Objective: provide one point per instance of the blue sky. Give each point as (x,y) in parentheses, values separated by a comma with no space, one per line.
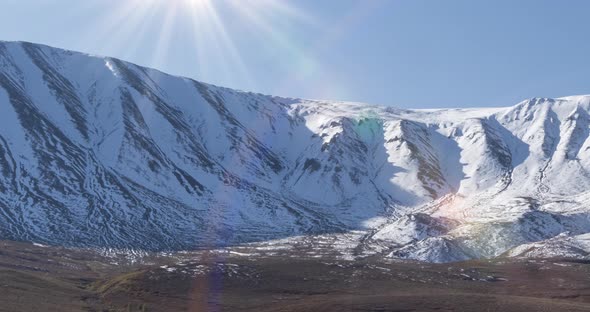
(403,53)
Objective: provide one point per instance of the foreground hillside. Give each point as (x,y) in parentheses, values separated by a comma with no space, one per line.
(36,278)
(97,152)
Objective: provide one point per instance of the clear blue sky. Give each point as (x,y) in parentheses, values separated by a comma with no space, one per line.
(404,53)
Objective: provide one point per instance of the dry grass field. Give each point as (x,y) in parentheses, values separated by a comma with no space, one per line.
(35,278)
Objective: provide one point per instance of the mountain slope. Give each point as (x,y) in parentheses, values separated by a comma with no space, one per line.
(97,152)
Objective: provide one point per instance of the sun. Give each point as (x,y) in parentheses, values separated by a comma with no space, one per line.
(211,30)
(196,3)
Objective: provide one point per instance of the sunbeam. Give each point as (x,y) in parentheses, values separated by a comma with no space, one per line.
(210,27)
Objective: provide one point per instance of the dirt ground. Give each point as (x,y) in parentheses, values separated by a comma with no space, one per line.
(35,278)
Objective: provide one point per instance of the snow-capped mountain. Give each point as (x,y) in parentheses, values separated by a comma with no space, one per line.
(97,152)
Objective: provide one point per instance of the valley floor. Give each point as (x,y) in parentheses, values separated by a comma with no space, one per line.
(40,278)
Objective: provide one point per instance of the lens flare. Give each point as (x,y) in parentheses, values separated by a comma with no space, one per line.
(209,32)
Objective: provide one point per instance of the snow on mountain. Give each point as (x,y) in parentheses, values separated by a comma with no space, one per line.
(97,152)
(561,246)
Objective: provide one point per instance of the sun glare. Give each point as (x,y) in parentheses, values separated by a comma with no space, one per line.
(195,2)
(212,28)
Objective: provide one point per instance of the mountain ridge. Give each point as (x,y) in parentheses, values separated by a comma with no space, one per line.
(98,152)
